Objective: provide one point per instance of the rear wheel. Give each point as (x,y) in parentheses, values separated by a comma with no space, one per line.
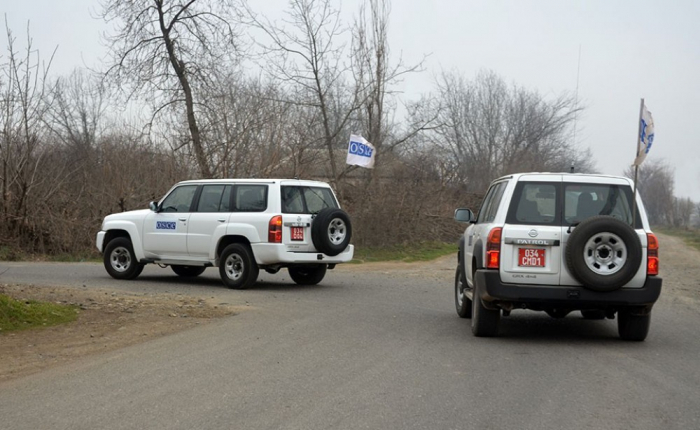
(485,321)
(633,327)
(237,267)
(462,302)
(119,259)
(188,271)
(309,274)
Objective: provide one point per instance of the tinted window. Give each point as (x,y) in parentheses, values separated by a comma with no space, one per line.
(214,198)
(309,200)
(486,204)
(534,203)
(582,201)
(492,209)
(179,200)
(250,198)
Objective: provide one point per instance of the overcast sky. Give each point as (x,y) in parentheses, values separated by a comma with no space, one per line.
(628,50)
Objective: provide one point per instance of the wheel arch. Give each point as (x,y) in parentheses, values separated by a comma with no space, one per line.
(228,240)
(126,230)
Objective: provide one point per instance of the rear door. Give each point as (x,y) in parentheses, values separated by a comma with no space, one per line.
(209,220)
(531,237)
(300,203)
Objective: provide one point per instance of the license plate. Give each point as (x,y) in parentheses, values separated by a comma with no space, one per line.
(297,233)
(531,257)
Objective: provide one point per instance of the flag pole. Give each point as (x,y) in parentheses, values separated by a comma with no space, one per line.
(636,166)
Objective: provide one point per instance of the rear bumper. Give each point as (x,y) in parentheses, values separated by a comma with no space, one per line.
(566,296)
(272,253)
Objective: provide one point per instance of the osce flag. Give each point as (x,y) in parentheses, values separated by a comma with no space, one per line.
(646,135)
(360,152)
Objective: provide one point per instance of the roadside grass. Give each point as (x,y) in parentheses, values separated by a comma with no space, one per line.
(11,254)
(424,251)
(690,236)
(25,314)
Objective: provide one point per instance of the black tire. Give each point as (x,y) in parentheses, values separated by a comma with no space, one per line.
(462,302)
(119,259)
(593,314)
(485,321)
(603,253)
(331,231)
(237,267)
(187,271)
(633,327)
(307,274)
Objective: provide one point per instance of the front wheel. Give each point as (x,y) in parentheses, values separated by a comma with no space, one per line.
(462,302)
(310,274)
(237,267)
(188,271)
(119,259)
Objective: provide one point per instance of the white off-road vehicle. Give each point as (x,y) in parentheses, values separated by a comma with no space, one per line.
(557,243)
(237,225)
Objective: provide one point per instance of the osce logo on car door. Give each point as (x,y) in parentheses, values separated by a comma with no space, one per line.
(165,225)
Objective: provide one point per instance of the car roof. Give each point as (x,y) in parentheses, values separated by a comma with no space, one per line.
(299,182)
(568,177)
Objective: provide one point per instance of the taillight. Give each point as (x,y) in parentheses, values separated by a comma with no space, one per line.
(274,233)
(493,249)
(652,255)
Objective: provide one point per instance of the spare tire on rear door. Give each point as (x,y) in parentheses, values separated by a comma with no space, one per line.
(331,231)
(603,253)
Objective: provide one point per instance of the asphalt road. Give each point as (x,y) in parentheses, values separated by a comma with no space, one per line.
(375,350)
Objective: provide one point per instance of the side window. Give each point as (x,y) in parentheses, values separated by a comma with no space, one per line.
(487,212)
(491,211)
(250,198)
(292,200)
(534,203)
(214,198)
(179,200)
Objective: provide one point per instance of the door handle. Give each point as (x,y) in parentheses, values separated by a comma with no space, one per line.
(183,219)
(221,219)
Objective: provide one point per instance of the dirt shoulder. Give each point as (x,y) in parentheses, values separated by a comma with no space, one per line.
(109,320)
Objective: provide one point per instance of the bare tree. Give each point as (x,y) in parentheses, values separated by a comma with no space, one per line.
(488,129)
(23,106)
(655,183)
(166,49)
(306,54)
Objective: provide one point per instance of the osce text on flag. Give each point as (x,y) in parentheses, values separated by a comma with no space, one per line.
(360,152)
(359,148)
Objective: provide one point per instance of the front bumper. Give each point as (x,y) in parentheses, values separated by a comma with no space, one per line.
(565,296)
(100,240)
(273,253)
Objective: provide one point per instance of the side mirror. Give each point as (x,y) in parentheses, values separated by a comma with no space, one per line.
(464,215)
(153,206)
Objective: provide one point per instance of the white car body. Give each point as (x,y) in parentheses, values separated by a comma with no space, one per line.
(196,236)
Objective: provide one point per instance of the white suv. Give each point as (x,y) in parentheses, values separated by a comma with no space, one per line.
(239,225)
(558,242)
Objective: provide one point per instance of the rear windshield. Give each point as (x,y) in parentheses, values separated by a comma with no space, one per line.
(541,203)
(307,200)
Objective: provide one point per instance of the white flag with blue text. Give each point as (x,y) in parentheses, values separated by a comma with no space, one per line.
(646,136)
(360,152)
